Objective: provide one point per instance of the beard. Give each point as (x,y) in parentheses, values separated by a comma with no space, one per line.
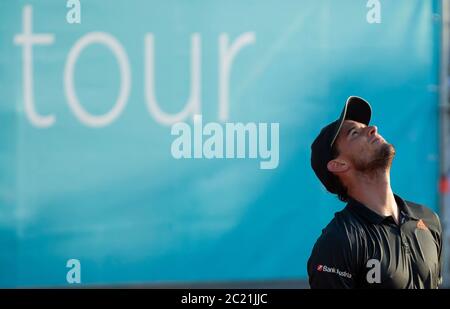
(380,161)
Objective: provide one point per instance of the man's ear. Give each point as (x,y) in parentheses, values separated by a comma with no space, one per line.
(337,166)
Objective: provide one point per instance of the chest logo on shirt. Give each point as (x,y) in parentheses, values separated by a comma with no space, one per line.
(421,225)
(333,270)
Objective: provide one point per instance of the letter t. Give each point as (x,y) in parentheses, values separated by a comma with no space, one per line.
(27,39)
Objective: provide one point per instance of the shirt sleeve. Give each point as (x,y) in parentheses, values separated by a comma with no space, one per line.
(439,241)
(331,264)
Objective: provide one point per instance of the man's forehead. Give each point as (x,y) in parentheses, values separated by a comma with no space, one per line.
(350,123)
(347,125)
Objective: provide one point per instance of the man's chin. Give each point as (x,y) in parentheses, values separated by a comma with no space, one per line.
(382,159)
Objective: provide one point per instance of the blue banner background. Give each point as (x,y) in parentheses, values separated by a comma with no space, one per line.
(114,198)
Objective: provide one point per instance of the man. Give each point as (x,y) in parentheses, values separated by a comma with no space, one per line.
(378,240)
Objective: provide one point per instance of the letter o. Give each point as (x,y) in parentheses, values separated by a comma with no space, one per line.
(124,66)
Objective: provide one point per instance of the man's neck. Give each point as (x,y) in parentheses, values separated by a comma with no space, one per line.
(375,192)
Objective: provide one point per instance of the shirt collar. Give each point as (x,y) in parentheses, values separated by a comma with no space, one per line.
(375,218)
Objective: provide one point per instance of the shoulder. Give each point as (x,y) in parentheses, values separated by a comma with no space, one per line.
(336,249)
(341,232)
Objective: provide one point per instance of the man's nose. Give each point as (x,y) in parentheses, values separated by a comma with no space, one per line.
(372,130)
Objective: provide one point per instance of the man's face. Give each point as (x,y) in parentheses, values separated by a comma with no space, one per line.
(363,148)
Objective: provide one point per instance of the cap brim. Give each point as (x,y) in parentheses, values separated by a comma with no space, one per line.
(356,109)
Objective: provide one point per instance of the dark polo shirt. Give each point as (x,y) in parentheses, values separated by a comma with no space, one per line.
(361,249)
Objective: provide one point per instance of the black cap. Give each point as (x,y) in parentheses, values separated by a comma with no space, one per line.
(356,109)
